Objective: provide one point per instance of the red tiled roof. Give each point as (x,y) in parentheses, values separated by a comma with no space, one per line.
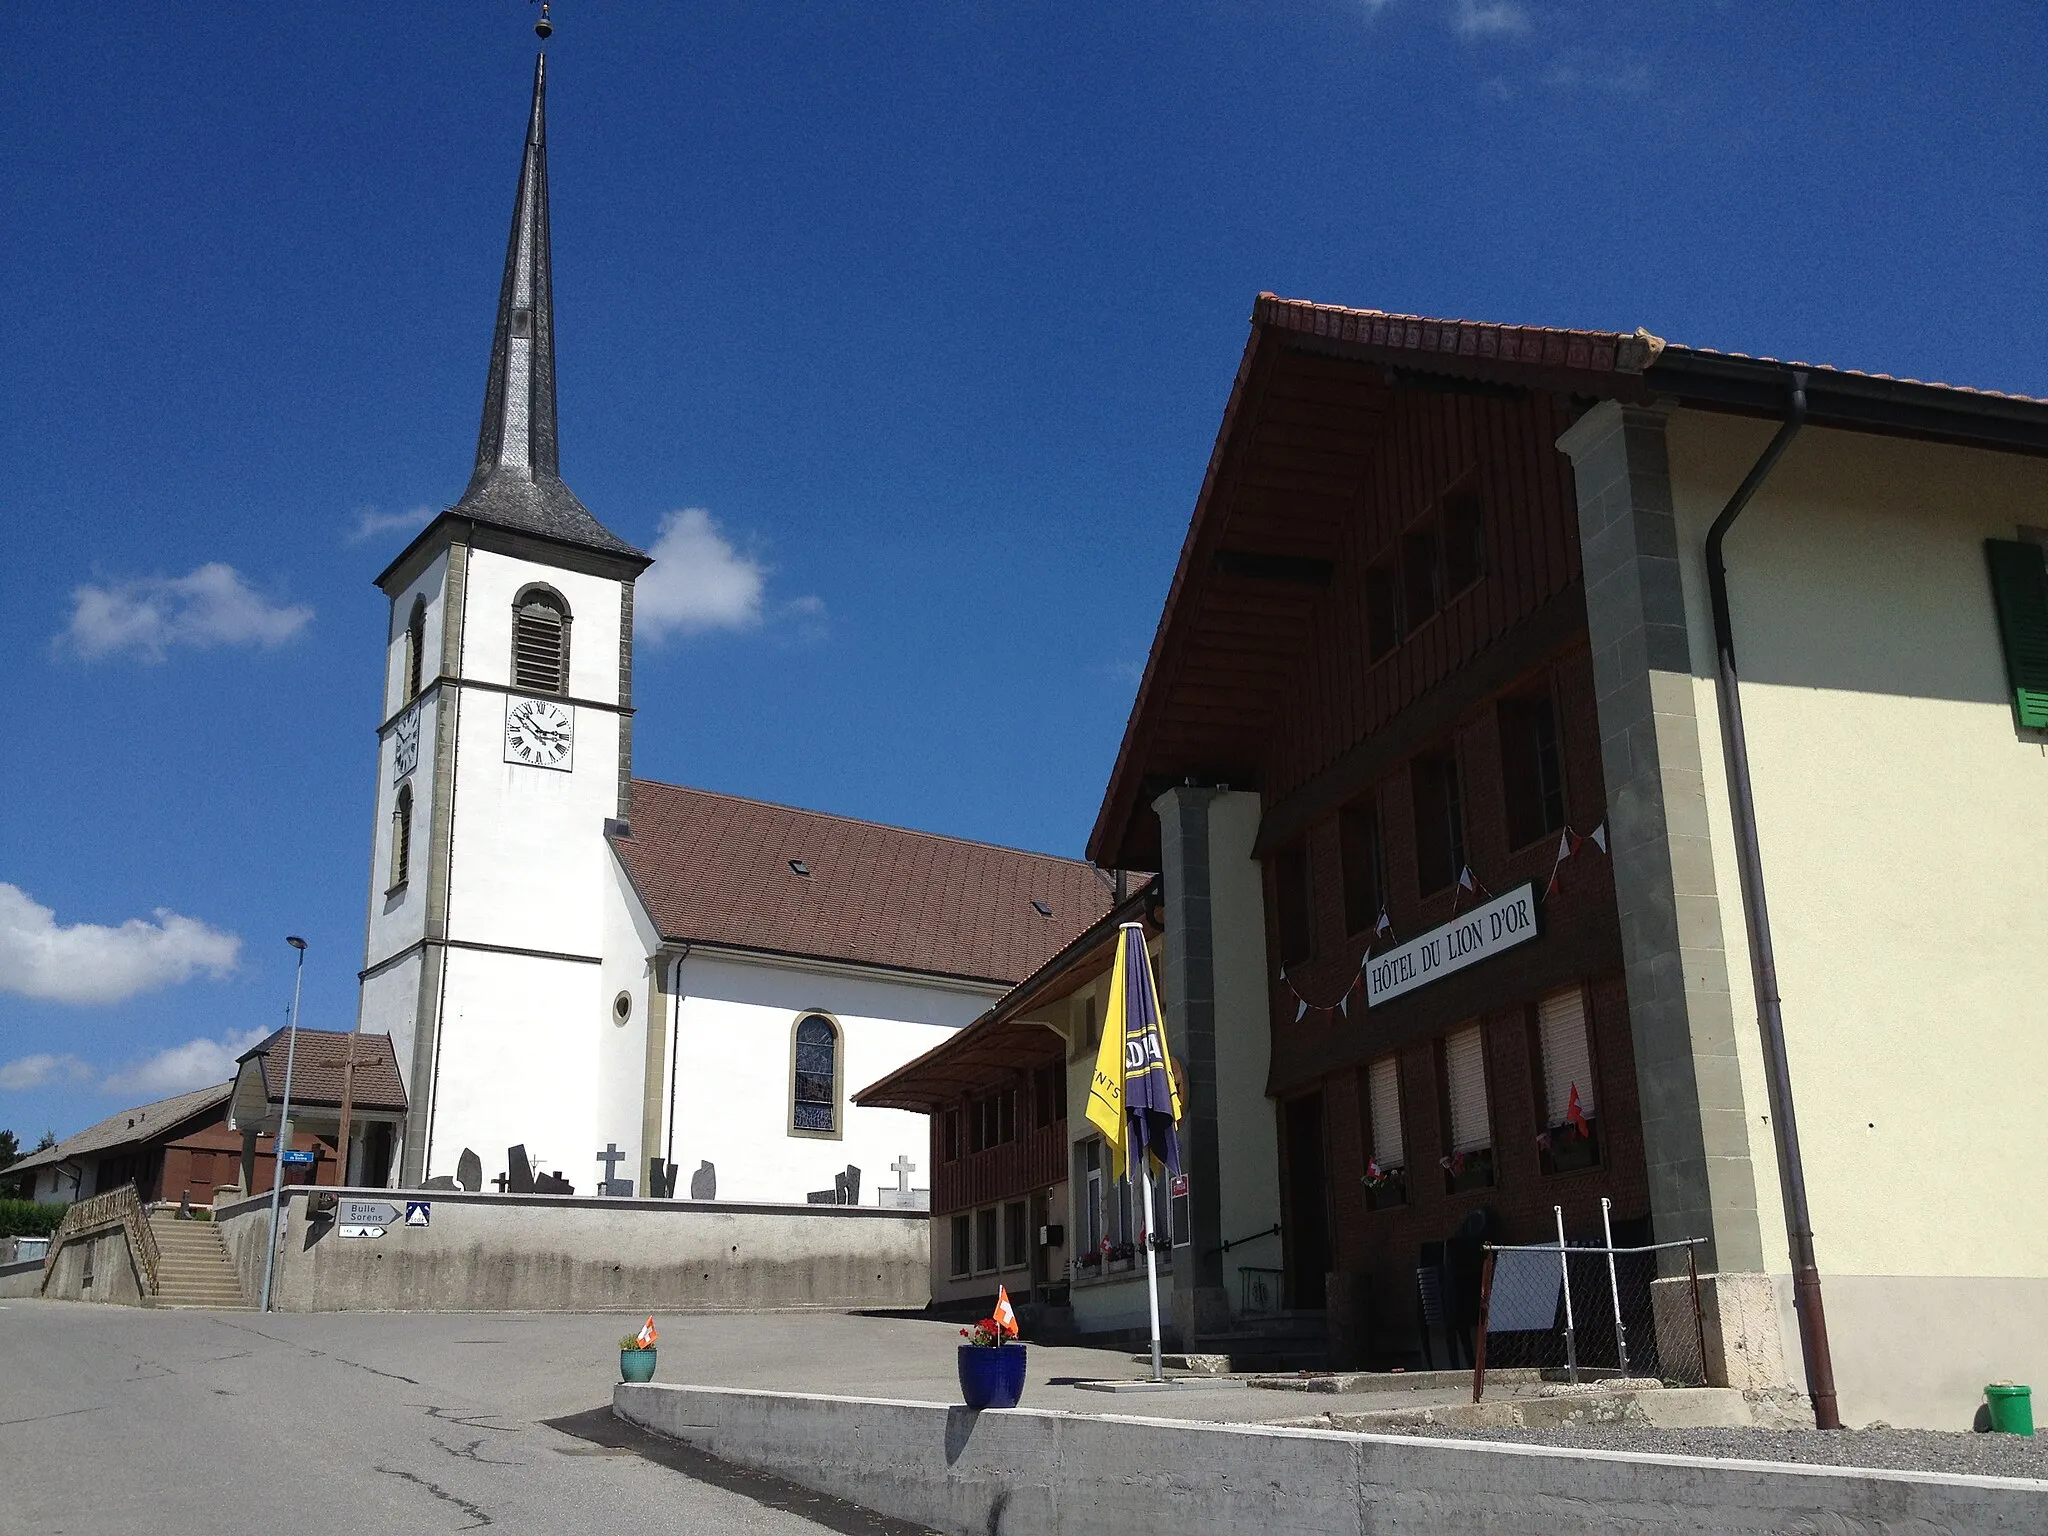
(715,869)
(317,1063)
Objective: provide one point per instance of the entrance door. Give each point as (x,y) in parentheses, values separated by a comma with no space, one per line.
(1308,1216)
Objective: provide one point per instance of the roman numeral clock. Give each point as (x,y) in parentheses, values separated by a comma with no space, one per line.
(539,733)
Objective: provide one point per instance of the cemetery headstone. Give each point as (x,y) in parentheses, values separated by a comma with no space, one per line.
(469,1171)
(704,1182)
(661,1179)
(440,1181)
(522,1170)
(611,1157)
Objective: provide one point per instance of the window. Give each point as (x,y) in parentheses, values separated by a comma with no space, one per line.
(540,642)
(1094,1212)
(415,648)
(1383,1106)
(1048,1095)
(1439,821)
(1014,1225)
(985,1239)
(814,1087)
(1531,767)
(1386,1181)
(1363,858)
(1464,527)
(1382,609)
(992,1120)
(1565,1050)
(1422,589)
(949,1136)
(963,1247)
(2019,583)
(1469,1156)
(1291,904)
(401,839)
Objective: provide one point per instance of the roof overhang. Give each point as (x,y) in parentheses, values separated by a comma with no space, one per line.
(1287,469)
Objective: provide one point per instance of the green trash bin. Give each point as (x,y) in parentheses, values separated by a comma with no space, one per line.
(2012,1407)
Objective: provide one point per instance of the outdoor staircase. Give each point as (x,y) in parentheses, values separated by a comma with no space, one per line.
(193,1268)
(1293,1340)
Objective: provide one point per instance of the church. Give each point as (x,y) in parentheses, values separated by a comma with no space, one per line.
(627,978)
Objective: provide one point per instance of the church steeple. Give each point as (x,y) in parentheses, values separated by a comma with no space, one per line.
(517,482)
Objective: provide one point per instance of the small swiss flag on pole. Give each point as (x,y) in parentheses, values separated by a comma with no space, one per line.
(1575,1115)
(1006,1316)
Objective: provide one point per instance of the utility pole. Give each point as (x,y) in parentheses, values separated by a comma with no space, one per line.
(282,1139)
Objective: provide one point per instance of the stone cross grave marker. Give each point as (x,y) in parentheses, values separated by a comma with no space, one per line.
(503,1181)
(903,1168)
(611,1157)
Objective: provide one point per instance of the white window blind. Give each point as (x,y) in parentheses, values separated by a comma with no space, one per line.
(1465,1069)
(1383,1102)
(1567,1059)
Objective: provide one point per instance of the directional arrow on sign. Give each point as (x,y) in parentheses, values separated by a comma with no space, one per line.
(355,1231)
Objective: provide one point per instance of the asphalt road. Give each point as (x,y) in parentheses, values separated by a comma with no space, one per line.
(148,1423)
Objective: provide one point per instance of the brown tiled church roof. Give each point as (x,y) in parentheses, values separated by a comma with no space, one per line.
(717,869)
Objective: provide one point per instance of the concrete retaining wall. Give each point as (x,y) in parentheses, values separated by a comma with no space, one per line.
(1028,1473)
(548,1253)
(21,1279)
(96,1266)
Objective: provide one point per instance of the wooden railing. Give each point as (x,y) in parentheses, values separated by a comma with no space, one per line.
(116,1208)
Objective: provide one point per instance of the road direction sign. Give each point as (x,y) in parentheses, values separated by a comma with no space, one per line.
(360,1231)
(418,1212)
(366,1213)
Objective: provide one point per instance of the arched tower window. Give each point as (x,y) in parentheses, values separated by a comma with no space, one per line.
(415,648)
(815,1077)
(540,641)
(401,838)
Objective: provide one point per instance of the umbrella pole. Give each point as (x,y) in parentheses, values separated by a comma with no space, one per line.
(1151,1266)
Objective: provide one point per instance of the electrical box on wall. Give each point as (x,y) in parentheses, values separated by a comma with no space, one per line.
(1052,1237)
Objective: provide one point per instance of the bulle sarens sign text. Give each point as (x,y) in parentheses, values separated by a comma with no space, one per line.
(1501,924)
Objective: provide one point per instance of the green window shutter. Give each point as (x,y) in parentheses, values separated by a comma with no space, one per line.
(2019,581)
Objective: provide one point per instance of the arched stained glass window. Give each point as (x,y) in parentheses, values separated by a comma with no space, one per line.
(814,1096)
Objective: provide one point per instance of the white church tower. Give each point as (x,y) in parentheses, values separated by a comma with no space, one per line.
(505,748)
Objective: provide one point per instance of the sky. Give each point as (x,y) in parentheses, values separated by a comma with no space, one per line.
(900,333)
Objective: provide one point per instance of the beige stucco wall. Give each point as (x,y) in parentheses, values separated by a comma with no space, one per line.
(1901,820)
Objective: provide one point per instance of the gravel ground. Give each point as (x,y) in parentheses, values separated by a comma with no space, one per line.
(1904,1450)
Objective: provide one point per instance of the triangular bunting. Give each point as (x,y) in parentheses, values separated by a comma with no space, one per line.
(1598,837)
(1300,1011)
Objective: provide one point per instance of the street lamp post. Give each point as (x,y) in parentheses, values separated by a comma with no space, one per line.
(282,1138)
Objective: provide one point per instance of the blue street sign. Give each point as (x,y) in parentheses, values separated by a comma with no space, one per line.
(291,1156)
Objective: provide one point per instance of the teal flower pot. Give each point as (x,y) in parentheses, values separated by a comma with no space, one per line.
(636,1364)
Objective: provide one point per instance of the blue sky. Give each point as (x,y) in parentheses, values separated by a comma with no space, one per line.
(923,314)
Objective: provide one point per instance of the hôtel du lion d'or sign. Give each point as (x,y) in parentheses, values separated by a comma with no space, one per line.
(1485,931)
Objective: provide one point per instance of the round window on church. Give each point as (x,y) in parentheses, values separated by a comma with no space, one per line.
(622,1008)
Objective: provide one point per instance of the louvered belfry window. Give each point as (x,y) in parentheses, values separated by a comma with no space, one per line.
(540,643)
(1383,1103)
(2019,582)
(1465,1084)
(401,838)
(1567,1055)
(415,648)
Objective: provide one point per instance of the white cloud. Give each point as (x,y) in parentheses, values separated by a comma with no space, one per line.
(88,963)
(39,1071)
(1580,69)
(150,614)
(1490,18)
(195,1064)
(367,522)
(700,582)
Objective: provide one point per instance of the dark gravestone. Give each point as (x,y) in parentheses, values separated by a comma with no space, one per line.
(823,1197)
(553,1184)
(848,1184)
(521,1169)
(704,1182)
(661,1179)
(440,1181)
(469,1171)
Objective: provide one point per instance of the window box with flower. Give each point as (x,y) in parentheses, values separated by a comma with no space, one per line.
(1467,1170)
(1385,1188)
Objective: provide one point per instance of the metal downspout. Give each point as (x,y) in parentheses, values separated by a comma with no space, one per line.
(1813,1328)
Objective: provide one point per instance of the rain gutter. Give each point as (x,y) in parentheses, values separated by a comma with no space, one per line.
(1806,1296)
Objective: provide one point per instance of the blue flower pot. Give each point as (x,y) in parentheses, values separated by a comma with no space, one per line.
(992,1378)
(636,1364)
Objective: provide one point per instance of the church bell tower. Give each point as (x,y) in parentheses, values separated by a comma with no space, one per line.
(505,747)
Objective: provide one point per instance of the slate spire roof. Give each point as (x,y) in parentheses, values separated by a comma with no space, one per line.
(517,482)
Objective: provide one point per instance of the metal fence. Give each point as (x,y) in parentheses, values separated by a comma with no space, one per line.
(1586,1311)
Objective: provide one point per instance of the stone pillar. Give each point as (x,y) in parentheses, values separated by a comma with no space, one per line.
(1681,1014)
(1188,984)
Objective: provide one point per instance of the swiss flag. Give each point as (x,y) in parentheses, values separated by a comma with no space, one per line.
(1006,1316)
(1575,1116)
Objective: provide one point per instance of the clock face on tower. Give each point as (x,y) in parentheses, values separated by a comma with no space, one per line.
(406,744)
(539,732)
